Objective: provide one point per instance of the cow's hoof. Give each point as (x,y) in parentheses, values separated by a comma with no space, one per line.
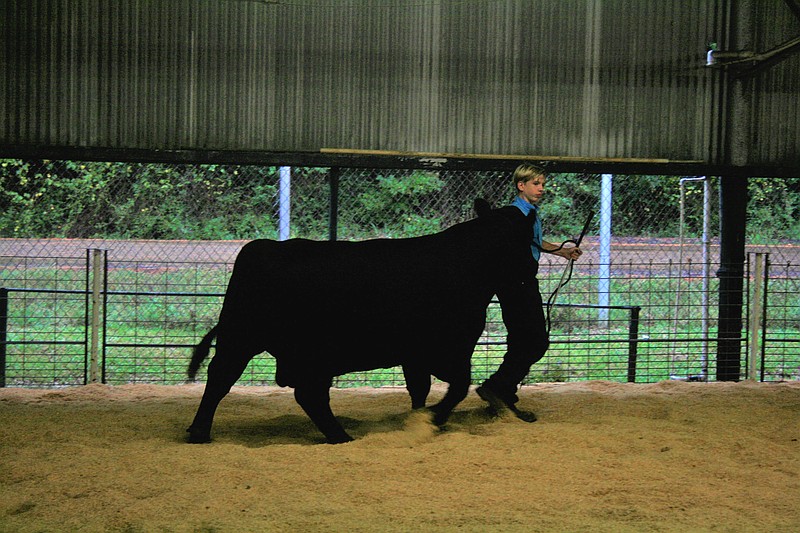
(525,416)
(498,405)
(491,412)
(197,436)
(340,439)
(439,417)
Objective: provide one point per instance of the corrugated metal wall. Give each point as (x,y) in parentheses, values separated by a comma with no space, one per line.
(583,78)
(776,91)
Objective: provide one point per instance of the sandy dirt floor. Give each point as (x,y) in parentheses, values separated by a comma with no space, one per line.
(603,456)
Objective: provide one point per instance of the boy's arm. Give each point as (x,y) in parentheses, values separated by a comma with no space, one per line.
(568,252)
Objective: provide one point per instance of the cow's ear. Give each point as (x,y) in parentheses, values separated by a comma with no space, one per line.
(482,207)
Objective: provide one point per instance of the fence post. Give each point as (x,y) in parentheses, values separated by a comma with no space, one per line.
(755,316)
(97,264)
(104,322)
(3,333)
(764,318)
(633,343)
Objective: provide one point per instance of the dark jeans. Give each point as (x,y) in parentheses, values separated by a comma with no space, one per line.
(527,339)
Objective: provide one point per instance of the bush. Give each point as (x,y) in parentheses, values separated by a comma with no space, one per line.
(40,199)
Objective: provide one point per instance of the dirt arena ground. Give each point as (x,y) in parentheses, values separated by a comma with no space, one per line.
(603,456)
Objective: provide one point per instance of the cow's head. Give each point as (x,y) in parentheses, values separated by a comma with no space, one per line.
(513,234)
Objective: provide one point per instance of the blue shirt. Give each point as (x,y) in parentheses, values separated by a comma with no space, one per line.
(526,208)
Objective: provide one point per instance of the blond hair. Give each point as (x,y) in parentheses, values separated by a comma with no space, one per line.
(526,172)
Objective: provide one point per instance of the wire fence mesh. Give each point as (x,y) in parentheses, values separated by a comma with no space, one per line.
(780,339)
(641,303)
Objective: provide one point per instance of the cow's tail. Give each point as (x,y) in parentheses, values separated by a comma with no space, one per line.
(200,353)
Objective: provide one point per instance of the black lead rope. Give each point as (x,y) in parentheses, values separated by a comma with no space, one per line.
(568,269)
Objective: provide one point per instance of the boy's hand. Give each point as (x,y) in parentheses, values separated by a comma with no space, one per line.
(573,253)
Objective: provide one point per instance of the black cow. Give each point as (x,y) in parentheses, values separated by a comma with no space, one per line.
(324,309)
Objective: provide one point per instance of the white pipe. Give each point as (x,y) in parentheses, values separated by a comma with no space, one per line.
(705,239)
(706,270)
(284,203)
(681,209)
(604,268)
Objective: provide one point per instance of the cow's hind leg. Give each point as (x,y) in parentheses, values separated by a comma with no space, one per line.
(418,384)
(314,397)
(224,370)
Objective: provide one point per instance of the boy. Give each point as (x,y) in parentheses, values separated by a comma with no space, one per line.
(521,305)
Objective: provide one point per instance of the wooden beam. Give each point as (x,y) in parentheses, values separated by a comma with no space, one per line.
(515,157)
(383,159)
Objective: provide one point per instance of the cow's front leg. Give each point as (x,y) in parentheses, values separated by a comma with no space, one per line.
(314,397)
(458,387)
(418,384)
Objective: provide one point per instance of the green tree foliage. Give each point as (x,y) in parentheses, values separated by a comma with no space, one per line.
(642,206)
(400,205)
(773,209)
(568,201)
(120,200)
(40,199)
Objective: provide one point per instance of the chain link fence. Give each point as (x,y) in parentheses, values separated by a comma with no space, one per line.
(640,305)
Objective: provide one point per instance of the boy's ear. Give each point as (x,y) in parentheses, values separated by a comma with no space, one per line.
(482,207)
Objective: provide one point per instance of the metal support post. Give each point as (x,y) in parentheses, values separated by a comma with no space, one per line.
(733,207)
